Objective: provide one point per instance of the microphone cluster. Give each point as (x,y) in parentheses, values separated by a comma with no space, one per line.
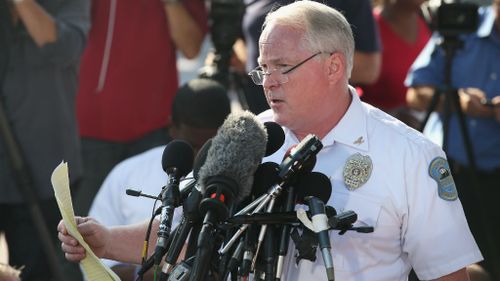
(236,208)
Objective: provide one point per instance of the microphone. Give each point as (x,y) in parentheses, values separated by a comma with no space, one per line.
(320,223)
(201,158)
(177,161)
(138,193)
(298,160)
(275,137)
(313,184)
(316,199)
(265,176)
(309,184)
(190,216)
(226,178)
(292,165)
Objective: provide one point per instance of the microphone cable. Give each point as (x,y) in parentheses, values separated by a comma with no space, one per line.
(145,246)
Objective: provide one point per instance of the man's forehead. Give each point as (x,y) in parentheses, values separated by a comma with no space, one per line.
(279,34)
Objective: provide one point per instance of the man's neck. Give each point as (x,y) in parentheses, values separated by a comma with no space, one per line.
(322,125)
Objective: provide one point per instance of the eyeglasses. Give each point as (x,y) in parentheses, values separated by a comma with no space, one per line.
(258,74)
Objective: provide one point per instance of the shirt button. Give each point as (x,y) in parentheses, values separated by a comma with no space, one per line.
(493,76)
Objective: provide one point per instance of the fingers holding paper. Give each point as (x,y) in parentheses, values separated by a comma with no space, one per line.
(93,233)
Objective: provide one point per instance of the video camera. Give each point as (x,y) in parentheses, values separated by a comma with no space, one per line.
(454,19)
(225,27)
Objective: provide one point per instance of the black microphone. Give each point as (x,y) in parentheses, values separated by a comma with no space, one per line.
(316,196)
(294,164)
(299,158)
(190,215)
(201,158)
(314,184)
(138,193)
(177,161)
(275,137)
(308,184)
(265,176)
(226,178)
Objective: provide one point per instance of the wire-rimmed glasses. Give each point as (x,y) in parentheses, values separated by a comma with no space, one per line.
(258,74)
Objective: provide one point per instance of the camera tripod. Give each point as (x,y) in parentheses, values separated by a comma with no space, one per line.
(451,104)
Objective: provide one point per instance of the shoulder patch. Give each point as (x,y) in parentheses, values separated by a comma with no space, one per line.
(439,170)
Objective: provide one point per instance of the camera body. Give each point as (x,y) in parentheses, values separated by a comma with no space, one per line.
(225,27)
(454,19)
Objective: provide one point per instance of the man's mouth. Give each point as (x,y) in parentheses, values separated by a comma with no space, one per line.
(275,100)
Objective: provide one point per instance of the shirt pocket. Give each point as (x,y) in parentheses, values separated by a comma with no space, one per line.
(353,251)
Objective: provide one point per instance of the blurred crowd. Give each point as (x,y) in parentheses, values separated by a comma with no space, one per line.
(93,83)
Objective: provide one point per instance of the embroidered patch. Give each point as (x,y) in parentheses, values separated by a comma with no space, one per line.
(439,170)
(357,171)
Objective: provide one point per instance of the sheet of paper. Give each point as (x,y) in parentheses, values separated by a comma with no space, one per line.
(93,267)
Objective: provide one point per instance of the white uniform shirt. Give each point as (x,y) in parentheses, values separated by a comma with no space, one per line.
(144,172)
(414,227)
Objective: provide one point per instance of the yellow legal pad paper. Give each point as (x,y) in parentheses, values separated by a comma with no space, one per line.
(93,267)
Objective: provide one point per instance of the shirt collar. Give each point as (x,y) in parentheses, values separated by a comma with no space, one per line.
(488,23)
(351,129)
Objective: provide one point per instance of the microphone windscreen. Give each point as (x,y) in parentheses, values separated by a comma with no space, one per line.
(265,177)
(236,152)
(275,137)
(201,157)
(313,184)
(178,154)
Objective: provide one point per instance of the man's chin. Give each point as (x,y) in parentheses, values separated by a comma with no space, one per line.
(280,118)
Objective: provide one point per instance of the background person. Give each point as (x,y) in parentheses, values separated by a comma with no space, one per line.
(128,80)
(475,73)
(199,108)
(38,86)
(404,33)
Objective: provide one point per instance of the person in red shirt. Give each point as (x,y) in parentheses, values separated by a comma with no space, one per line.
(403,33)
(128,78)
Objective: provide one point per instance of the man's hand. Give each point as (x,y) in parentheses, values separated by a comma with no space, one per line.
(496,107)
(96,235)
(470,102)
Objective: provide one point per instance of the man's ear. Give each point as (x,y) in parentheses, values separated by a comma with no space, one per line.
(336,64)
(335,67)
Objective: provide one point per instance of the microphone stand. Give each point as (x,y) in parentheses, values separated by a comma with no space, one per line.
(292,165)
(285,234)
(320,223)
(191,216)
(170,200)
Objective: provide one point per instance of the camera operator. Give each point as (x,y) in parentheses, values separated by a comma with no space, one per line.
(475,73)
(40,49)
